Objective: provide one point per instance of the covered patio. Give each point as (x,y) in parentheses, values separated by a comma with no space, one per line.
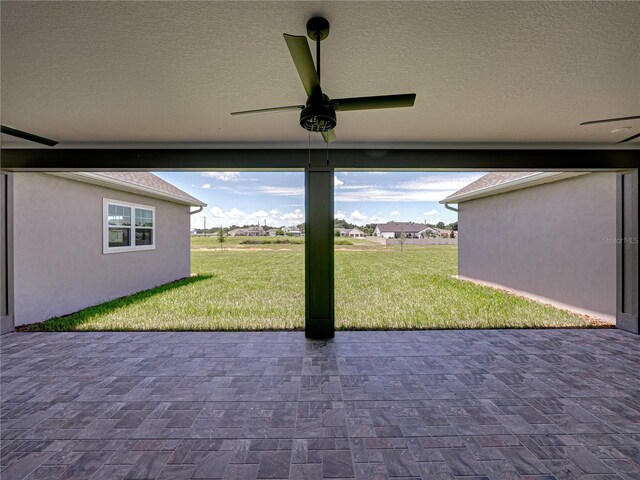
(516,404)
(151,87)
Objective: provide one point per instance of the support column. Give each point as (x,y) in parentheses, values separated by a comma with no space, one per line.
(628,311)
(319,286)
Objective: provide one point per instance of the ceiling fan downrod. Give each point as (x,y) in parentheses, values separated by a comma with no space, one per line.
(317,115)
(318,30)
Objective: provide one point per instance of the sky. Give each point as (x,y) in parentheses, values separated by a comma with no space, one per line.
(244,198)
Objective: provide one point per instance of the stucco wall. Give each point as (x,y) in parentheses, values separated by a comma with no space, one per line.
(546,240)
(59,266)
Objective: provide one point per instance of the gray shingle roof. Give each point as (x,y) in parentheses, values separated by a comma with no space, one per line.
(149,180)
(406,227)
(490,180)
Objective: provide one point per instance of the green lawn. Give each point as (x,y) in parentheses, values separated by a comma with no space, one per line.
(258,287)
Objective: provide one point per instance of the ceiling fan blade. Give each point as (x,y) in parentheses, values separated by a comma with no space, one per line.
(269,110)
(299,49)
(369,103)
(329,136)
(629,139)
(28,136)
(607,120)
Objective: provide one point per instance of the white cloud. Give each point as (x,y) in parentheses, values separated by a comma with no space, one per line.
(432,212)
(357,216)
(337,182)
(261,214)
(426,188)
(356,187)
(223,176)
(234,213)
(206,185)
(282,191)
(390,195)
(235,216)
(339,215)
(377,219)
(294,217)
(217,212)
(274,211)
(395,213)
(431,182)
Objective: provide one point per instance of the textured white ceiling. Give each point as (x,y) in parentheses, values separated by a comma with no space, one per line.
(505,72)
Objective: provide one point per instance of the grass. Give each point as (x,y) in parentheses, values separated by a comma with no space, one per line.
(261,287)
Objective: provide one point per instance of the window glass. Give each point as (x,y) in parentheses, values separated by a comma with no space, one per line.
(119,237)
(128,227)
(144,236)
(144,217)
(119,215)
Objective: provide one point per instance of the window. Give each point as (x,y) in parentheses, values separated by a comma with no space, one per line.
(127,227)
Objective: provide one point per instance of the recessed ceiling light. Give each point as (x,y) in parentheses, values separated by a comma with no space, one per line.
(621,129)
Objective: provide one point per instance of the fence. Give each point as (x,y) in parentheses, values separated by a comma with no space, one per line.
(414,241)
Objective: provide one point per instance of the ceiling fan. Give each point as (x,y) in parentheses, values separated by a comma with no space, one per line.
(619,119)
(28,136)
(319,112)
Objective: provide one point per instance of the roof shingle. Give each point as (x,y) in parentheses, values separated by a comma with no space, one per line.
(149,180)
(490,180)
(402,227)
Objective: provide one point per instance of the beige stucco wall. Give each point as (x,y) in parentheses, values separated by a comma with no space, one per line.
(59,266)
(546,240)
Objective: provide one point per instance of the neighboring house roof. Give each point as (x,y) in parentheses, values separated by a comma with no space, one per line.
(402,227)
(501,182)
(142,183)
(440,231)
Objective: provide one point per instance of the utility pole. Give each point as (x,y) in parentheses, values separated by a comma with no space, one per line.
(205,225)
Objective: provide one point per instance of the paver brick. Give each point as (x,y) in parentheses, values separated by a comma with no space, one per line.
(486,404)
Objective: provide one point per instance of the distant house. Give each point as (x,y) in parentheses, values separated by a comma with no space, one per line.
(543,235)
(439,232)
(272,232)
(245,232)
(292,231)
(396,229)
(108,235)
(351,232)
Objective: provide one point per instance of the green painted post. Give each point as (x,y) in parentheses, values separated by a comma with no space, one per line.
(319,285)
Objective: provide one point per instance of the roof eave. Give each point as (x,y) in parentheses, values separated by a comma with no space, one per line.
(517,184)
(104,181)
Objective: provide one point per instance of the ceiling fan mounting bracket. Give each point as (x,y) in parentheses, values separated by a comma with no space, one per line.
(318,28)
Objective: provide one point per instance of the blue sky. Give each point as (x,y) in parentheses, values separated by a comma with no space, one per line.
(360,197)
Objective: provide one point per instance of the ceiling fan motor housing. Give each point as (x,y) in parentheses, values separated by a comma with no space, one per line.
(318,118)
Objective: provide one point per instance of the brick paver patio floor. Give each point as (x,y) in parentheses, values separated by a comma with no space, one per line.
(515,404)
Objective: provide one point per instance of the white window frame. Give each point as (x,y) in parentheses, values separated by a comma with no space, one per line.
(105,227)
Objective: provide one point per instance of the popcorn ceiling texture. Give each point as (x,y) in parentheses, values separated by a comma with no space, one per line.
(120,72)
